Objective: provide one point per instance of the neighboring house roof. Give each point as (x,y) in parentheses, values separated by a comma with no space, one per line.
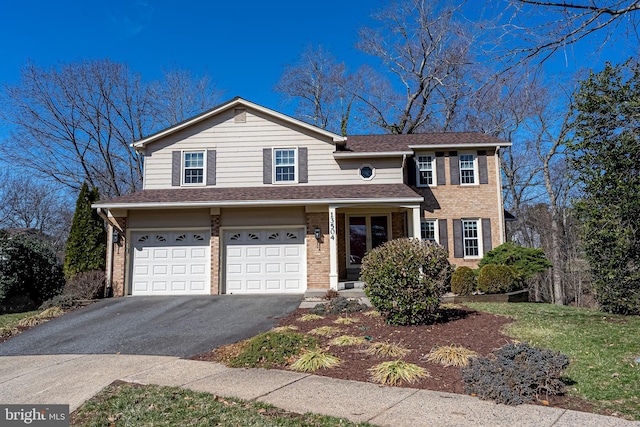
(234,103)
(400,144)
(271,195)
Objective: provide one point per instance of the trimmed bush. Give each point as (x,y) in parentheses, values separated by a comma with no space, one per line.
(463,281)
(515,374)
(271,349)
(525,262)
(406,279)
(496,279)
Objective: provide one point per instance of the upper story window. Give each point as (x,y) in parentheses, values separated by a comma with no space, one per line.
(366,172)
(193,167)
(471,238)
(284,164)
(426,167)
(467,169)
(428,230)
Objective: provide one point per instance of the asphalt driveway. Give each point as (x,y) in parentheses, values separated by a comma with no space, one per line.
(180,326)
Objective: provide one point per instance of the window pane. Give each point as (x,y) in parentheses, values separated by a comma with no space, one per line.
(378,231)
(193,176)
(425,168)
(285,173)
(285,157)
(428,230)
(470,229)
(193,160)
(467,173)
(426,177)
(357,239)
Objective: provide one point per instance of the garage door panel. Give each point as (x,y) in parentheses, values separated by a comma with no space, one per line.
(170,262)
(277,256)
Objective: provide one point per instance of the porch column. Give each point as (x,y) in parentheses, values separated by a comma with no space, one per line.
(333,249)
(415,221)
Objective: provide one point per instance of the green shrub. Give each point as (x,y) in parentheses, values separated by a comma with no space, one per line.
(87,243)
(496,279)
(515,373)
(463,281)
(29,271)
(339,305)
(64,301)
(525,262)
(406,279)
(272,349)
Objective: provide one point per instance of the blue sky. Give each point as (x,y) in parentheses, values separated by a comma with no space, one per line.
(244,45)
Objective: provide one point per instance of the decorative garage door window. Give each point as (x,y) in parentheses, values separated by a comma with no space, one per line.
(262,237)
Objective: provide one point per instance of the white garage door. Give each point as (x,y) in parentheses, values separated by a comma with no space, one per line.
(170,262)
(265,261)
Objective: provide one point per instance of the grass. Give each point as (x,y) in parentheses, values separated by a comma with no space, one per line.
(345,340)
(124,404)
(11,320)
(312,360)
(325,331)
(450,355)
(397,372)
(602,348)
(287,328)
(385,349)
(346,320)
(309,317)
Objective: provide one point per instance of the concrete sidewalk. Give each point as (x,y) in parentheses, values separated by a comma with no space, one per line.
(72,379)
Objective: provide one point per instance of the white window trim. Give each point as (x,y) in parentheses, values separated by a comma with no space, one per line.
(476,178)
(183,169)
(295,165)
(434,179)
(478,222)
(436,230)
(373,172)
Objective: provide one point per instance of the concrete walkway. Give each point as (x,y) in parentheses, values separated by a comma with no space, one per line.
(72,379)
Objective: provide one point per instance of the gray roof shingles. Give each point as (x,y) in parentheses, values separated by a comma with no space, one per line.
(391,143)
(218,196)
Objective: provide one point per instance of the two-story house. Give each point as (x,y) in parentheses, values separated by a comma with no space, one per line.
(244,199)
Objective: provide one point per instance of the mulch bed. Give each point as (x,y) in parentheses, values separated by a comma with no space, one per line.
(464,327)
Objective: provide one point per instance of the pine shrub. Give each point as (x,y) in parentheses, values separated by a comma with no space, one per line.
(406,279)
(463,281)
(496,279)
(525,262)
(516,373)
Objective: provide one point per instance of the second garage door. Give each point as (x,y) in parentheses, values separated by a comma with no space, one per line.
(265,261)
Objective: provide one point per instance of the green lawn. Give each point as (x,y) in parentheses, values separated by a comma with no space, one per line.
(11,320)
(602,348)
(124,404)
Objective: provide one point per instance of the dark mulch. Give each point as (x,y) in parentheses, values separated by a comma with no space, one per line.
(477,331)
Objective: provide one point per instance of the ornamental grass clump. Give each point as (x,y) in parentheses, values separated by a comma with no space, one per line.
(325,331)
(397,372)
(310,317)
(450,355)
(312,360)
(346,320)
(406,279)
(386,349)
(345,340)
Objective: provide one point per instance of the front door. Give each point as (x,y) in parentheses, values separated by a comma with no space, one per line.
(365,233)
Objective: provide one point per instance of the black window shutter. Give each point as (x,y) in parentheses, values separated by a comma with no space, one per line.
(303,165)
(267,166)
(486,235)
(443,235)
(176,168)
(458,247)
(411,171)
(211,167)
(440,175)
(482,167)
(454,168)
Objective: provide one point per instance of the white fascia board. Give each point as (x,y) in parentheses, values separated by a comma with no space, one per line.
(347,155)
(234,103)
(432,147)
(241,203)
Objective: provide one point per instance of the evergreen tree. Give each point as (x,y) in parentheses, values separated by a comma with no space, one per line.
(87,242)
(605,157)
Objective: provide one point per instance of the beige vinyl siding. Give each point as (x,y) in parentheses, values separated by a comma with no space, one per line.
(239,153)
(169,218)
(253,217)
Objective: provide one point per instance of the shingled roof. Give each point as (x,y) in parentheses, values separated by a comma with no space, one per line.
(399,143)
(273,195)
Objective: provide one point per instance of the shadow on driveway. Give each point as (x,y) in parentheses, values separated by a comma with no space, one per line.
(180,326)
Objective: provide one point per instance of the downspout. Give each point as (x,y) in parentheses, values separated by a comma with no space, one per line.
(500,201)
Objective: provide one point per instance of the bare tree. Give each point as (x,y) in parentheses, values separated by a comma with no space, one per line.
(318,85)
(426,56)
(75,122)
